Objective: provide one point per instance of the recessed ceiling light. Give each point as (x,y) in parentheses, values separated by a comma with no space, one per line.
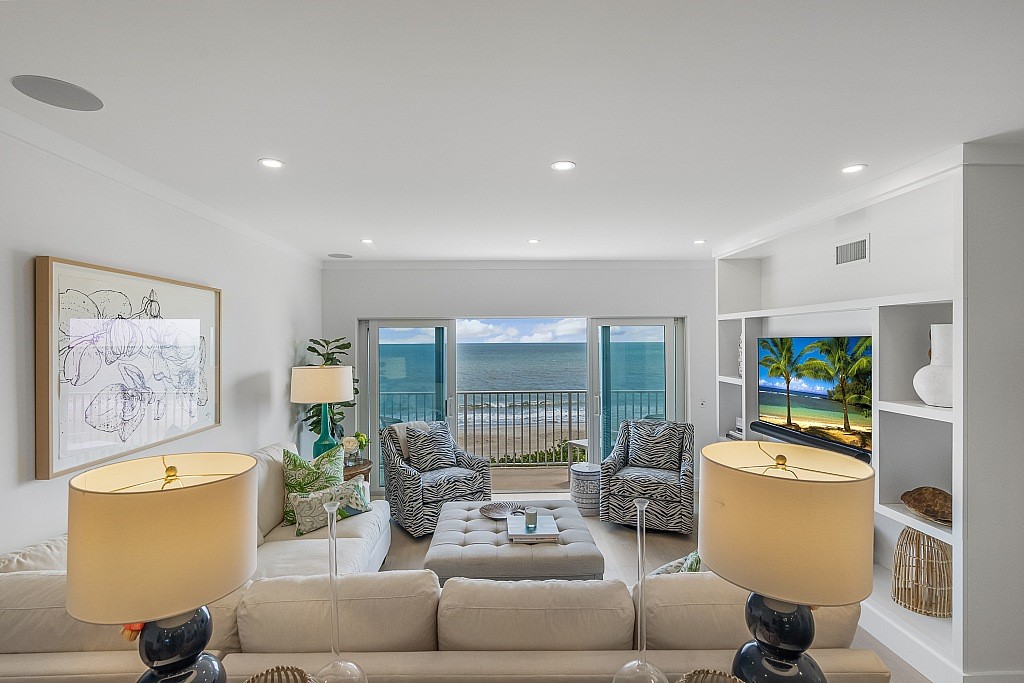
(854,168)
(367,241)
(533,241)
(563,165)
(57,93)
(271,163)
(340,255)
(699,241)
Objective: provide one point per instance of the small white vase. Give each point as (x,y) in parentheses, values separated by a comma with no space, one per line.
(934,382)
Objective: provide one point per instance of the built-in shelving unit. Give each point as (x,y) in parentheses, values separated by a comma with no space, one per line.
(935,258)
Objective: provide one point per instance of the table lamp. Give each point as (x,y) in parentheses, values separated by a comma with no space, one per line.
(154,540)
(795,526)
(323,384)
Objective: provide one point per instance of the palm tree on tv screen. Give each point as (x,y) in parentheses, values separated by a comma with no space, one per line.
(844,364)
(781,361)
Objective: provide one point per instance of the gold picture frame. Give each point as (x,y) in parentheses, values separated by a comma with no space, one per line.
(124,362)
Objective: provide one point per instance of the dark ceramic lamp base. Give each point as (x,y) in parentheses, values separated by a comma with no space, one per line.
(173,650)
(782,632)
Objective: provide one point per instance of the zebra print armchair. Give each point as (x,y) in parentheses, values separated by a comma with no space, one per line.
(652,459)
(416,496)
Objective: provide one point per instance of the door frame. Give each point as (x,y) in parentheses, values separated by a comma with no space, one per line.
(369,420)
(594,384)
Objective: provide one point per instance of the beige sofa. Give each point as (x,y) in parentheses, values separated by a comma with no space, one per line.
(401,626)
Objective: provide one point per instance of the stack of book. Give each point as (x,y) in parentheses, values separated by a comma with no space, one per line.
(546,531)
(736,434)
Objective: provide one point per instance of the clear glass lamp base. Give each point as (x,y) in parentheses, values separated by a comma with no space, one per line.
(638,671)
(341,672)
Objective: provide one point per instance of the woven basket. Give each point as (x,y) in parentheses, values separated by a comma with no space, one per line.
(922,574)
(282,674)
(708,676)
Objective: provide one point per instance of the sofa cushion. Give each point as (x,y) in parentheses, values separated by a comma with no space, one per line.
(431,449)
(480,614)
(381,612)
(655,444)
(51,554)
(369,526)
(301,476)
(310,514)
(450,483)
(647,482)
(304,557)
(33,617)
(702,611)
(270,475)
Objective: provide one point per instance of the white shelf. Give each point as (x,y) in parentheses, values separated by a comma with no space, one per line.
(902,514)
(842,306)
(731,380)
(917,409)
(935,636)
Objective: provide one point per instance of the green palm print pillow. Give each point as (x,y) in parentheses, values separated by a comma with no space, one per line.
(300,476)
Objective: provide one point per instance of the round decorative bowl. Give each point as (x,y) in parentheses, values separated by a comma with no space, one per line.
(501,509)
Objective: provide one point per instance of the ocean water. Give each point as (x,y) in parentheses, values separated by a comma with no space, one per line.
(507,371)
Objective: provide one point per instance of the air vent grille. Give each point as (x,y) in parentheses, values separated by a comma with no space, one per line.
(852,252)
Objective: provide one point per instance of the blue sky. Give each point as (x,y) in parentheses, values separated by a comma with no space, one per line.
(519,330)
(805,385)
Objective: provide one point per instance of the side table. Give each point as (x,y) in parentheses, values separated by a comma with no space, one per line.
(362,467)
(585,487)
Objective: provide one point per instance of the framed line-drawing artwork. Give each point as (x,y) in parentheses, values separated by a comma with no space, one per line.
(124,361)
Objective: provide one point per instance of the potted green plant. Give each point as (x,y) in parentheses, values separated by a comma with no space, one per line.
(330,352)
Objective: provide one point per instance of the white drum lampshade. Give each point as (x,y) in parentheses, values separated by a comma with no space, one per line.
(801,532)
(322,384)
(157,537)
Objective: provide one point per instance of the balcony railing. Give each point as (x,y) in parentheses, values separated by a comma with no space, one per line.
(521,427)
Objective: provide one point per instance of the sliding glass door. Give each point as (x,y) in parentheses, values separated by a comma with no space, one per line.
(412,373)
(632,371)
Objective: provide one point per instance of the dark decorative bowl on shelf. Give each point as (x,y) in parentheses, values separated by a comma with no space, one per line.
(930,503)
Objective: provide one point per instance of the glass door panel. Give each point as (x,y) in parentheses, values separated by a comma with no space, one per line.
(633,368)
(411,374)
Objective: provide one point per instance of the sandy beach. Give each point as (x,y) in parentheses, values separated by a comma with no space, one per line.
(509,443)
(828,429)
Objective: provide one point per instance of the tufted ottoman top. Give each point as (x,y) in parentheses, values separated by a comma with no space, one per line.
(468,544)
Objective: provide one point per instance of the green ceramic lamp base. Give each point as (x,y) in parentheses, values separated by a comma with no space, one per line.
(326,442)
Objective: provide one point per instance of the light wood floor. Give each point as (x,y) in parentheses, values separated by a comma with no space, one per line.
(529,479)
(618,545)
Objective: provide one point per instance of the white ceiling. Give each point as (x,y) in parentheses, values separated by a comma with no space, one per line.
(430,126)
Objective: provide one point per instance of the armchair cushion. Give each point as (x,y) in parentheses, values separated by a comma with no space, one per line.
(655,444)
(433,449)
(450,483)
(647,482)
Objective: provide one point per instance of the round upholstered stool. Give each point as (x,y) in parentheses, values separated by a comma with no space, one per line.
(585,487)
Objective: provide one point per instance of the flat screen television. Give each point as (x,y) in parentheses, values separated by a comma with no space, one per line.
(816,391)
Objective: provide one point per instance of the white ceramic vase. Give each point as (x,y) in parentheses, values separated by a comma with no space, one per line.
(934,382)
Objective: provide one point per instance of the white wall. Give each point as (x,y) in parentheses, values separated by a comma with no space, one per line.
(366,290)
(913,249)
(50,205)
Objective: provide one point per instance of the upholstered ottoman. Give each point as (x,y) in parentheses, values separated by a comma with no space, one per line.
(468,544)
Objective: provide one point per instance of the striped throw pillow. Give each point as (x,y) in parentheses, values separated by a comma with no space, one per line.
(431,450)
(655,444)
